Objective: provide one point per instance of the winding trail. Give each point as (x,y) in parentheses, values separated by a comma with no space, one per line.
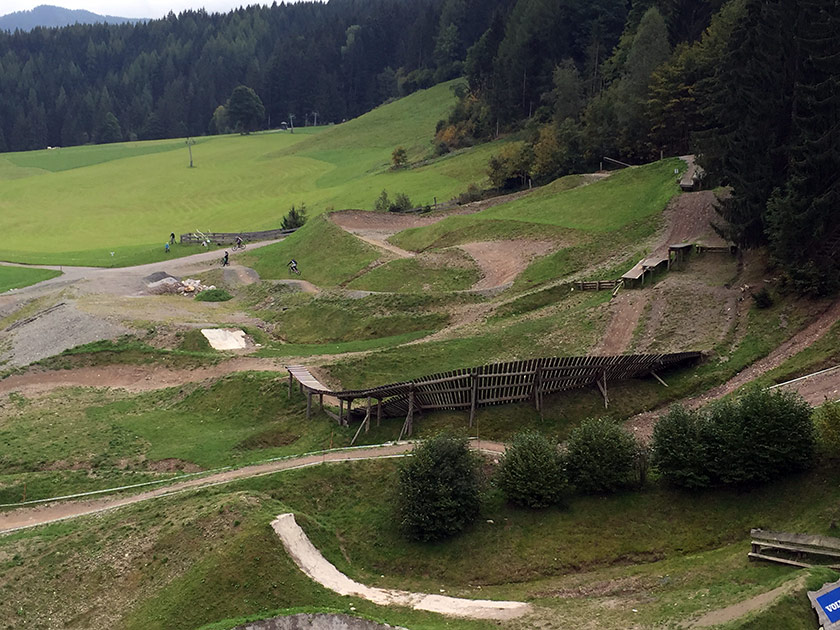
(26,517)
(318,568)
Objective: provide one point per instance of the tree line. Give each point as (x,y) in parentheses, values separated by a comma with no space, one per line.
(165,78)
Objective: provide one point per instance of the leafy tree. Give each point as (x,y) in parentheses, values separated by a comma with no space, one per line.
(439,489)
(219,123)
(600,456)
(401,203)
(295,218)
(680,448)
(761,436)
(531,471)
(245,109)
(511,166)
(399,158)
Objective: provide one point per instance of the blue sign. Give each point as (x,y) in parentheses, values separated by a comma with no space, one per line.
(830,603)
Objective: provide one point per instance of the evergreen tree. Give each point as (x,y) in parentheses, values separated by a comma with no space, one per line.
(802,217)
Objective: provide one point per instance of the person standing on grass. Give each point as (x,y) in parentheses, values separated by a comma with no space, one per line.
(225,260)
(172,238)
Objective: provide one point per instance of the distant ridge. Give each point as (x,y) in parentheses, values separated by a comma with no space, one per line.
(50,16)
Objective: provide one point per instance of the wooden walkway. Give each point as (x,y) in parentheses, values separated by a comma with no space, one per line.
(493,384)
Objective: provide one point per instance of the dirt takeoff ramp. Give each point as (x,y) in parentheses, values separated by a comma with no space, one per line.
(311,562)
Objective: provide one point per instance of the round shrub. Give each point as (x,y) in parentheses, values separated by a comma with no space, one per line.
(531,472)
(214,295)
(601,456)
(827,420)
(679,449)
(439,489)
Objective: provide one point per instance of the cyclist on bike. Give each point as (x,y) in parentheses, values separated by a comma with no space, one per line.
(293,266)
(225,260)
(238,242)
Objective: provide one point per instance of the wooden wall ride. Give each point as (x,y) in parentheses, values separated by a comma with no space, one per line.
(494,384)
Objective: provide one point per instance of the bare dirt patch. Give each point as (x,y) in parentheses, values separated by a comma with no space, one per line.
(736,611)
(625,312)
(172,464)
(501,261)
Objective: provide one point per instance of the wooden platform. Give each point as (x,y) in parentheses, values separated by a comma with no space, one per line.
(793,549)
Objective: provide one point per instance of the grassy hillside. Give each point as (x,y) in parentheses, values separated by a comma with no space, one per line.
(76,205)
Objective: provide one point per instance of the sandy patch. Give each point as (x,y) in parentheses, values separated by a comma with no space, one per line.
(225,338)
(313,564)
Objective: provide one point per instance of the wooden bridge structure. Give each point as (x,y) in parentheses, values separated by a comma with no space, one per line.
(493,384)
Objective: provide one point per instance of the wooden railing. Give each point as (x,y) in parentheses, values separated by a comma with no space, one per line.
(597,285)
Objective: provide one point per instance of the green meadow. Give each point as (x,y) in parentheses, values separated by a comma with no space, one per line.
(17,277)
(76,205)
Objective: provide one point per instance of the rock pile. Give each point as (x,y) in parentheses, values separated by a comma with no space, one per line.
(187,287)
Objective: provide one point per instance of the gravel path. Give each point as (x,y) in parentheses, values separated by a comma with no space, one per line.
(313,564)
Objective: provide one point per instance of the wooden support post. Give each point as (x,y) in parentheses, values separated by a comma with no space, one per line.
(473,396)
(535,394)
(378,411)
(321,401)
(356,435)
(656,376)
(290,385)
(308,404)
(410,417)
(341,411)
(602,385)
(367,416)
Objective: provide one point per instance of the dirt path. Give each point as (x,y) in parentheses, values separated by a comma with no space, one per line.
(501,261)
(736,611)
(133,378)
(817,390)
(50,512)
(626,310)
(318,568)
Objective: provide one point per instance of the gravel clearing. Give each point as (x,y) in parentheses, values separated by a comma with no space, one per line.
(56,331)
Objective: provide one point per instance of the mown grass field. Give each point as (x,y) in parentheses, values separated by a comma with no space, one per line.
(17,277)
(76,205)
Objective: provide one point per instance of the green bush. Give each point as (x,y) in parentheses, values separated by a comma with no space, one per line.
(214,295)
(295,218)
(439,489)
(600,456)
(531,472)
(762,298)
(827,421)
(679,448)
(761,436)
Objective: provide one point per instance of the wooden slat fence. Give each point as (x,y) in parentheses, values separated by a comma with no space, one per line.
(502,383)
(597,285)
(227,238)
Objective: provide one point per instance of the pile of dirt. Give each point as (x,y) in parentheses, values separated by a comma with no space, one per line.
(188,287)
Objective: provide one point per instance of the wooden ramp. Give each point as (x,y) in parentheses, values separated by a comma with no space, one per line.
(493,384)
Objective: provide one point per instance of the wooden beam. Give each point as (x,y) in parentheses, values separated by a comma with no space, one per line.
(366,421)
(656,376)
(340,411)
(378,411)
(602,385)
(321,401)
(290,385)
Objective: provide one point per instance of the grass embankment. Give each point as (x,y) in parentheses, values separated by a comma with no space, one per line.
(79,440)
(79,204)
(656,556)
(593,221)
(18,277)
(328,319)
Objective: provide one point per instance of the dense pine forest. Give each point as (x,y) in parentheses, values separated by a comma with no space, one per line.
(749,86)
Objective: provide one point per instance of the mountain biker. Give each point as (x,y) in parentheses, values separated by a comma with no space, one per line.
(293,266)
(238,242)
